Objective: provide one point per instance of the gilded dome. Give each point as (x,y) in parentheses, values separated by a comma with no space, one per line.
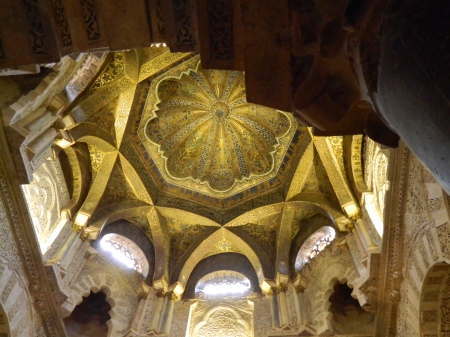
(206,132)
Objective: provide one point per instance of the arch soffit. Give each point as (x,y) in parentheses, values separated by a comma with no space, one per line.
(205,249)
(117,211)
(322,205)
(85,133)
(139,237)
(230,261)
(78,156)
(313,224)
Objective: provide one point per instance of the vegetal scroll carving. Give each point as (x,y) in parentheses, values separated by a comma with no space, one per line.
(90,19)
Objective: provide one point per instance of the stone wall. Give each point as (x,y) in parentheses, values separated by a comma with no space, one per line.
(426,247)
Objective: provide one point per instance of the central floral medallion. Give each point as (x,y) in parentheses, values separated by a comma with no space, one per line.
(206,132)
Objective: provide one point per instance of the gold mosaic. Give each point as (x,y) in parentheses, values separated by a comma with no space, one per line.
(204,135)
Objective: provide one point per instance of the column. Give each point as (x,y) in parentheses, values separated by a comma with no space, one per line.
(167,318)
(283,305)
(138,315)
(64,248)
(274,311)
(359,243)
(361,227)
(157,311)
(302,307)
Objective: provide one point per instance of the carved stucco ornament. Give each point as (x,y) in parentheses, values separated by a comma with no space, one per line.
(204,135)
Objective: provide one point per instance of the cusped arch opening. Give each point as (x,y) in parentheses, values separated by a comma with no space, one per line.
(90,317)
(348,317)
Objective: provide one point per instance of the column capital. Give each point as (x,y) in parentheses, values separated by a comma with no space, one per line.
(142,290)
(160,293)
(355,217)
(282,287)
(300,284)
(269,287)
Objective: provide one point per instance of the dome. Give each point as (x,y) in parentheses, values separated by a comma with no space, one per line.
(207,133)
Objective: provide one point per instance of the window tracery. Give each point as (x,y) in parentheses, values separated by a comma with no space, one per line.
(126,252)
(314,245)
(223,284)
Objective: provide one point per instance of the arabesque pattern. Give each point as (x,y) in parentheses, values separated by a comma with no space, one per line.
(207,132)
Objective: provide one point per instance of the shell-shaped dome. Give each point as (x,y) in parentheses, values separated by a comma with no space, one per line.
(207,131)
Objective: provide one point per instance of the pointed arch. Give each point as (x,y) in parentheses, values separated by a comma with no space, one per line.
(284,234)
(102,139)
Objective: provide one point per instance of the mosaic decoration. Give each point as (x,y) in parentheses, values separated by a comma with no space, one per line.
(204,135)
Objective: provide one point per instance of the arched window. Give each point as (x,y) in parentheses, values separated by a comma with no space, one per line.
(126,252)
(314,245)
(223,284)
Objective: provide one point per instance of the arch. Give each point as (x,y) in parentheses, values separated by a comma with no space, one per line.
(426,252)
(434,306)
(238,245)
(347,316)
(324,205)
(312,225)
(89,317)
(135,180)
(117,211)
(102,139)
(225,261)
(285,229)
(262,254)
(78,157)
(139,237)
(15,300)
(332,265)
(126,209)
(105,283)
